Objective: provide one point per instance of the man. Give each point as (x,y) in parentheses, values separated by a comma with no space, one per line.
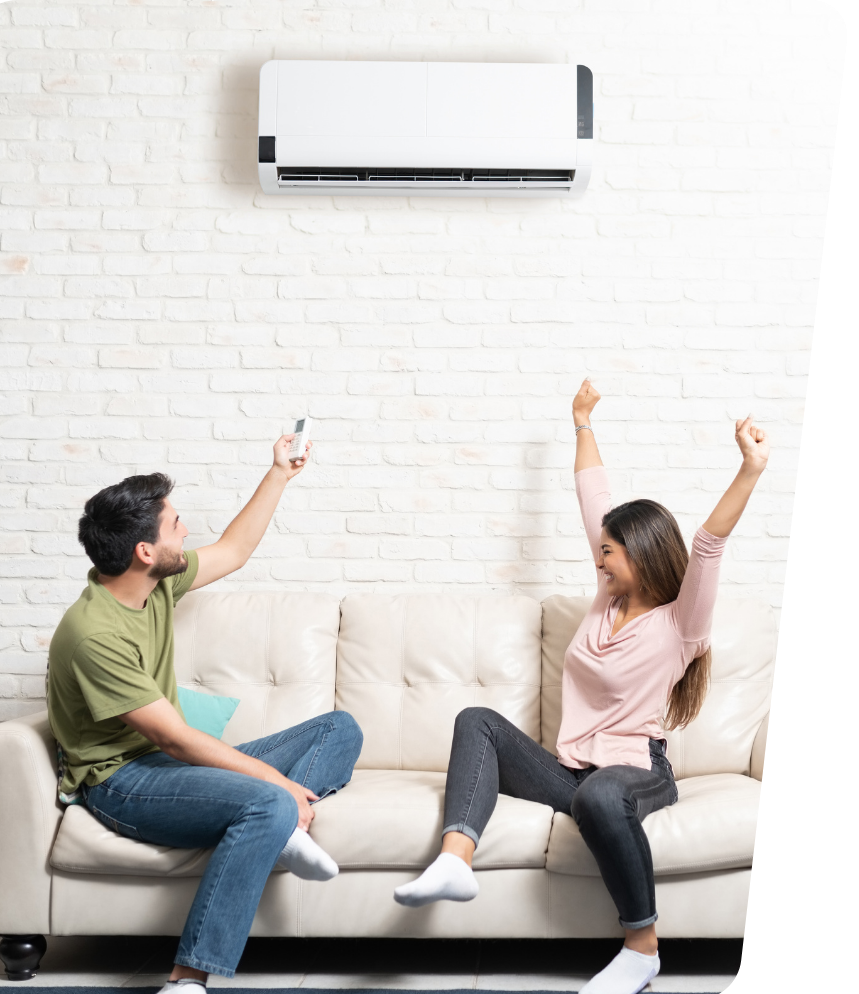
(126,751)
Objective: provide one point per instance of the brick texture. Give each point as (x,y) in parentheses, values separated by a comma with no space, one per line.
(157,311)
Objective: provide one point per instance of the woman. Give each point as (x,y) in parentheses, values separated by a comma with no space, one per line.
(638,663)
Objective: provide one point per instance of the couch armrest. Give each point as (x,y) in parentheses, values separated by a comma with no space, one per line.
(30,814)
(758,749)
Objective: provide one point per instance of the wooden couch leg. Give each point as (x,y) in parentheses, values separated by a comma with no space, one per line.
(22,954)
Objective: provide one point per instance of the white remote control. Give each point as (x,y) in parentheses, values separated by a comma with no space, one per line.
(299,443)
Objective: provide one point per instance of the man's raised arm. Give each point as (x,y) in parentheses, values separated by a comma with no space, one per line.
(243,534)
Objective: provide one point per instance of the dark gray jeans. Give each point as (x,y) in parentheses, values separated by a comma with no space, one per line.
(491,756)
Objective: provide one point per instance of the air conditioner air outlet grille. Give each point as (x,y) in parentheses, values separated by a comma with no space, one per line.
(347,175)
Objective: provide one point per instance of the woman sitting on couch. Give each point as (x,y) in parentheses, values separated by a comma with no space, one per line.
(638,663)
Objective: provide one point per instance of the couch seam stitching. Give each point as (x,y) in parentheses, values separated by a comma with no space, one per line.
(194,641)
(474,644)
(402,684)
(270,683)
(729,862)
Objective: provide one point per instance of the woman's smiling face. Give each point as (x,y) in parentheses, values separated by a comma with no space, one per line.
(619,571)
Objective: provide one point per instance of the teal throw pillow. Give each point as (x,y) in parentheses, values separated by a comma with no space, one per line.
(206,712)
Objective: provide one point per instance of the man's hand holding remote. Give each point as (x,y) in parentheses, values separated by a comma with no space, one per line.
(244,532)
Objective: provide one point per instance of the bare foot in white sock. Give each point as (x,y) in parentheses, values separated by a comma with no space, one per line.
(628,973)
(449,878)
(303,857)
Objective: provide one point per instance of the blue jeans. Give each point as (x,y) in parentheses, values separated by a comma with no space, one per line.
(490,755)
(247,821)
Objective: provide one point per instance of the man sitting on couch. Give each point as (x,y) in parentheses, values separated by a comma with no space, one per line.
(125,749)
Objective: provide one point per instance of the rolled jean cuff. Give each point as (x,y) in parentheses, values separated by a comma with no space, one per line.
(197,964)
(462,827)
(642,924)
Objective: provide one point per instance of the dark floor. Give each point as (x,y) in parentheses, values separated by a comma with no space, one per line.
(686,956)
(690,966)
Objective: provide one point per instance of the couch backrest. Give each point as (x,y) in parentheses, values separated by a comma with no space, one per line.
(276,652)
(720,739)
(407,665)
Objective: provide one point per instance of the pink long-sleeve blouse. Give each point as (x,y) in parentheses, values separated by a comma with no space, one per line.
(615,690)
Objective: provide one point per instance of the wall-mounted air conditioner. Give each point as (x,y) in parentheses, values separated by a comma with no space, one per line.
(443,128)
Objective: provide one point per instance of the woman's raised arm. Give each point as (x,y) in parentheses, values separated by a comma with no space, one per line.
(592,486)
(755,448)
(587,453)
(693,610)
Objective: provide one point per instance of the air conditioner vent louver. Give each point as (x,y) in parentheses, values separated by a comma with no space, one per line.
(523,176)
(416,175)
(329,175)
(308,175)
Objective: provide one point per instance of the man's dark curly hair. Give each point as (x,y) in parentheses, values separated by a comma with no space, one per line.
(119,517)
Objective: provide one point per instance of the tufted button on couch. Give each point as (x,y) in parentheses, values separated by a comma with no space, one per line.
(404,666)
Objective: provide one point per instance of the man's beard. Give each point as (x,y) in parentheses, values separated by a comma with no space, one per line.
(168,564)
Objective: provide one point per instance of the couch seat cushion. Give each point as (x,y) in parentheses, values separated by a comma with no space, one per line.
(384,819)
(84,845)
(711,827)
(393,819)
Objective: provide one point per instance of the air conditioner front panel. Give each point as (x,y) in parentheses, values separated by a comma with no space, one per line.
(351,99)
(498,100)
(435,153)
(414,117)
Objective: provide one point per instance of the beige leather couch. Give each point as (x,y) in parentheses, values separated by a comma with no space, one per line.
(404,667)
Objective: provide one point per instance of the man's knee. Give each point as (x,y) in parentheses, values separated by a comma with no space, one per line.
(343,744)
(272,799)
(273,808)
(346,727)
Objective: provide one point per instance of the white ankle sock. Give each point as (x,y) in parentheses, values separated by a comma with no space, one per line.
(303,857)
(184,986)
(628,973)
(449,878)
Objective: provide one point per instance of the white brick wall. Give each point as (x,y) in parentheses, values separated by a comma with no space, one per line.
(157,311)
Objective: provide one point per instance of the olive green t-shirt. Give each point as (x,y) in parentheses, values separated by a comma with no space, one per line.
(106,659)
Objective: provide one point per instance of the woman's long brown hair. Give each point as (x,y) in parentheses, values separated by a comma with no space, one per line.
(653,542)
